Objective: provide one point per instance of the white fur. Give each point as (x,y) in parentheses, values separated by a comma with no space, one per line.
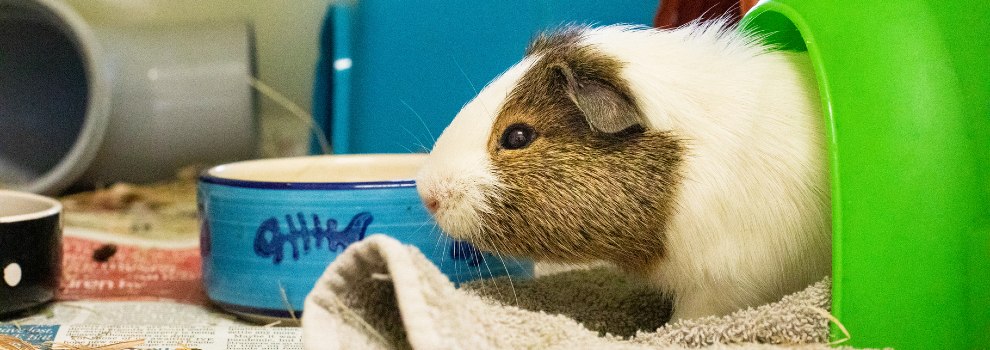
(752,217)
(458,172)
(752,220)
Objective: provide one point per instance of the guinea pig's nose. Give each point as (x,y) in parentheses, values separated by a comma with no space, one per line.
(431,203)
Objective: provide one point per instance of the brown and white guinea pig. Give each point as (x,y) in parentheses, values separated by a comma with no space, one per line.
(693,158)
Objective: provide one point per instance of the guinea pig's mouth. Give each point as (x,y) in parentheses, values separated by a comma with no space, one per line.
(457,222)
(457,197)
(455,207)
(458,218)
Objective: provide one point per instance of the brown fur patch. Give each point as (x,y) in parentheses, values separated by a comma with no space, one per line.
(574,194)
(565,37)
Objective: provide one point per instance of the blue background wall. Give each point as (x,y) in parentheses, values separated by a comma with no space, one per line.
(428,58)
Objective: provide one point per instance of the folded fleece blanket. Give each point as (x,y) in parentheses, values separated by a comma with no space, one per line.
(381,294)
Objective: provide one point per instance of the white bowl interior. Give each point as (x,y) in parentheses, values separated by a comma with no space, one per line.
(322,169)
(21,206)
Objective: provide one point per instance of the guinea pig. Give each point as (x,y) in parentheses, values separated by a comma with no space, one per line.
(693,158)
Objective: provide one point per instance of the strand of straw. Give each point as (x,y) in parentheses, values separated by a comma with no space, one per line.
(294,109)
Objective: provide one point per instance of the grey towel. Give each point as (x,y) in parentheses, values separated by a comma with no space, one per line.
(381,294)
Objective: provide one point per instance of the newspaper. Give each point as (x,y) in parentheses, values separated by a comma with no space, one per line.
(158,325)
(129,268)
(126,292)
(133,242)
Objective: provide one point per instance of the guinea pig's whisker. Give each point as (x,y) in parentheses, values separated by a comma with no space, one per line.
(508,276)
(483,282)
(416,138)
(530,273)
(423,148)
(495,250)
(437,245)
(463,74)
(420,228)
(421,121)
(491,275)
(447,240)
(473,87)
(402,146)
(419,146)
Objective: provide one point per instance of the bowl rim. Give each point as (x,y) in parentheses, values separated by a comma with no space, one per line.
(206,177)
(54,209)
(273,185)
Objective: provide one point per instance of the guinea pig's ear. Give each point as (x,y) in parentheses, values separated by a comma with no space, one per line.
(605,107)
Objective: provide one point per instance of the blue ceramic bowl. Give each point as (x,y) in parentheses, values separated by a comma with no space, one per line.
(271,227)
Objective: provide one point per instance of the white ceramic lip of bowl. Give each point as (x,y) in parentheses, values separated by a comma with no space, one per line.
(22,206)
(333,171)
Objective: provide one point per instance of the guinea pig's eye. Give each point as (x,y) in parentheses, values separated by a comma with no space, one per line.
(517,136)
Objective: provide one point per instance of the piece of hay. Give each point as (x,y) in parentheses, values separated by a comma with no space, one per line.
(14,343)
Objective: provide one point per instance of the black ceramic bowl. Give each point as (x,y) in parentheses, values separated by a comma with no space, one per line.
(30,250)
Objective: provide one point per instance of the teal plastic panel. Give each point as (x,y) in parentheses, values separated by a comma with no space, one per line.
(392,74)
